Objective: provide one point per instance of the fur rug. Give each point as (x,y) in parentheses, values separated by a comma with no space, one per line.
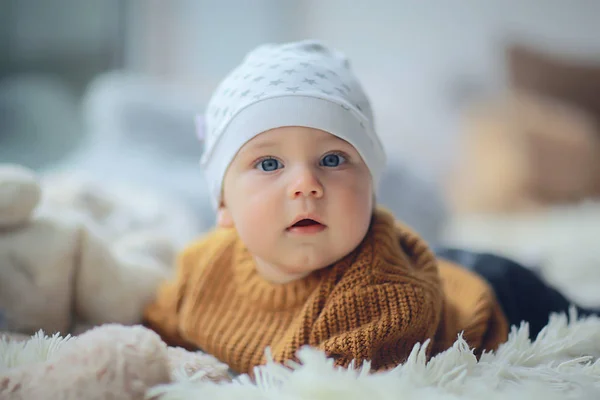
(562,363)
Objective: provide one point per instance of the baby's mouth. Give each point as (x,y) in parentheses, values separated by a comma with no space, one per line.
(306,222)
(306,226)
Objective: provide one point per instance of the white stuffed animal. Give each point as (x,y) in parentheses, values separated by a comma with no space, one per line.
(111,361)
(61,270)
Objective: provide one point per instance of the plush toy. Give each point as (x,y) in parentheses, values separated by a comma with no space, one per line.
(111,361)
(78,256)
(70,258)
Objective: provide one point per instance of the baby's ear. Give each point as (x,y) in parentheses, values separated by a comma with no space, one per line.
(224,218)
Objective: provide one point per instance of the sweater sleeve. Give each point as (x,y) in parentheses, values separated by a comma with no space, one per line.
(470,307)
(163,313)
(379,323)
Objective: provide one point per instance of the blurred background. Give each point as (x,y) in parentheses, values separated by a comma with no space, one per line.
(489,110)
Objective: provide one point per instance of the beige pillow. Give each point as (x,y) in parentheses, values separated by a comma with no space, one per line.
(523,151)
(572,80)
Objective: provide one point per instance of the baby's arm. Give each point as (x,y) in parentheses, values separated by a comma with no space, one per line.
(380,323)
(162,315)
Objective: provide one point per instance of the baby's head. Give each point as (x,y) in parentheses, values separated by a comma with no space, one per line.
(292,158)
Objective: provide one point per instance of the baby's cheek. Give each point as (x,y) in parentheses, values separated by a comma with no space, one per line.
(354,208)
(256,228)
(256,213)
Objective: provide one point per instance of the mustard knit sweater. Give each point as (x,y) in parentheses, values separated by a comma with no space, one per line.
(374,304)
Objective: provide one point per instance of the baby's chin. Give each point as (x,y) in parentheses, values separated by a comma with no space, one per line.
(308,263)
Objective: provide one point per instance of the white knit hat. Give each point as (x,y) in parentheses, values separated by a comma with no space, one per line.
(295,84)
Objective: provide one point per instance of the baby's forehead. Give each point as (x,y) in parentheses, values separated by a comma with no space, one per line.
(287,134)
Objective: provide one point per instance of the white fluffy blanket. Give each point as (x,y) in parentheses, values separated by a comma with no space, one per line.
(560,364)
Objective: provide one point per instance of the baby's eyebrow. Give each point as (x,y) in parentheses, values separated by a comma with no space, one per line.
(267,144)
(334,140)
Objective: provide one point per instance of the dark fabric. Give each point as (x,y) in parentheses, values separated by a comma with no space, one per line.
(522,294)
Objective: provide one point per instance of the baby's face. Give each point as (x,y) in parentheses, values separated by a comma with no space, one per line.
(300,199)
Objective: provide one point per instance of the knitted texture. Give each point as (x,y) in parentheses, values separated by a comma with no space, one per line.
(374,304)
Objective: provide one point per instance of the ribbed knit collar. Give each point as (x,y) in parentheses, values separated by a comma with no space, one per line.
(277,296)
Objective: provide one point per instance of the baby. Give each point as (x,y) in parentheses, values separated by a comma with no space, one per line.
(302,255)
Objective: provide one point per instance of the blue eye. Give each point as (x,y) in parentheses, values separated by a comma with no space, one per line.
(269,164)
(332,160)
